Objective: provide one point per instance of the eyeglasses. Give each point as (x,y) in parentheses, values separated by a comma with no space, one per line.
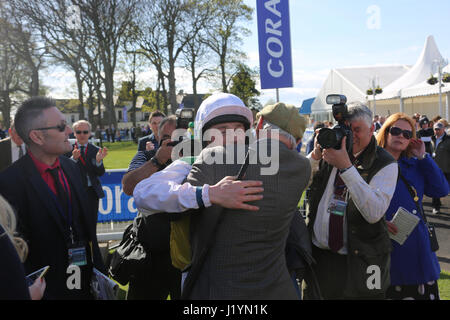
(407,134)
(80,132)
(60,127)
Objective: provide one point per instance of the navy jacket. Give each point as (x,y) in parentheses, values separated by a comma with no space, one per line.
(92,170)
(143,142)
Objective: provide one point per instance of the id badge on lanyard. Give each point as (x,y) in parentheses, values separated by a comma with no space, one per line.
(77,256)
(338,205)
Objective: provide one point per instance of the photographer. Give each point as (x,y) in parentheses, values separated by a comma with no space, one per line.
(350,193)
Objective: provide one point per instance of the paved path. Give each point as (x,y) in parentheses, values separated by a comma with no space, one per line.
(442,224)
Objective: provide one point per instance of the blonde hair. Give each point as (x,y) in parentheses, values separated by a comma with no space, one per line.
(384,130)
(8,222)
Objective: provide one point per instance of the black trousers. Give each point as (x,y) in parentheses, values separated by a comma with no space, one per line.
(436,202)
(93,206)
(331,273)
(157,280)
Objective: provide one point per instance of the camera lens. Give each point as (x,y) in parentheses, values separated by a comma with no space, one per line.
(327,138)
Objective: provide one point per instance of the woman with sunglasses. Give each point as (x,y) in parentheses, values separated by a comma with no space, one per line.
(414,267)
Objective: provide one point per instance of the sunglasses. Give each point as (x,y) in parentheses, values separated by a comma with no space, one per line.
(407,134)
(60,128)
(80,132)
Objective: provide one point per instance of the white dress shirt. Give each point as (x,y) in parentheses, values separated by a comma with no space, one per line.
(163,191)
(372,200)
(15,151)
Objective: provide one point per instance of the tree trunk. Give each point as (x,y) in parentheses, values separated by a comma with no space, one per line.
(224,78)
(34,85)
(172,90)
(6,108)
(80,95)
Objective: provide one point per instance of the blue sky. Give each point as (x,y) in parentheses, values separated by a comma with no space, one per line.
(328,34)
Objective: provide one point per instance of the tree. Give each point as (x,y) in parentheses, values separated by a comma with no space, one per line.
(14,71)
(198,61)
(225,35)
(62,39)
(26,44)
(108,21)
(244,86)
(168,26)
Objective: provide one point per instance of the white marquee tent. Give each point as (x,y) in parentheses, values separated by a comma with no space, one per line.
(405,88)
(412,88)
(353,82)
(420,72)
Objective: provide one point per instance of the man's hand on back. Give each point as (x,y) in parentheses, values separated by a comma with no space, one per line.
(233,194)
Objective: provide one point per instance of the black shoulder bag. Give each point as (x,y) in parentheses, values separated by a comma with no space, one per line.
(130,256)
(431,230)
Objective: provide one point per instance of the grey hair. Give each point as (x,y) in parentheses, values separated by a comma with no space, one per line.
(76,124)
(358,110)
(270,126)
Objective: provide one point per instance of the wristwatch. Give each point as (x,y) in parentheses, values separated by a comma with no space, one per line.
(157,163)
(422,157)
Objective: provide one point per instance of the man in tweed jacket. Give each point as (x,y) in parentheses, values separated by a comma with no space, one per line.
(239,254)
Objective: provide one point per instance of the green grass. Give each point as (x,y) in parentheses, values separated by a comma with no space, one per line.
(444,285)
(119,154)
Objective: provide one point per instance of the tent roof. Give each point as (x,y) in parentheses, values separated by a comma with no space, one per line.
(361,76)
(306,106)
(424,89)
(419,73)
(354,82)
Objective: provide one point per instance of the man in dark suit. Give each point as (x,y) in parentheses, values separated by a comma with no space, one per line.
(46,191)
(89,159)
(151,142)
(441,154)
(11,148)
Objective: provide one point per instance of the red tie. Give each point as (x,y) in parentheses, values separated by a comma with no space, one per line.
(336,223)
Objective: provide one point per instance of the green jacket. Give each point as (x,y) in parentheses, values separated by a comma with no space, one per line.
(368,244)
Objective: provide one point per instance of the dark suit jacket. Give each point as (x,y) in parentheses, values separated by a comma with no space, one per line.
(92,170)
(247,255)
(143,142)
(40,221)
(442,153)
(5,153)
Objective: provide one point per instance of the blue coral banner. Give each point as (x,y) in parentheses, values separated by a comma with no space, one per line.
(274,38)
(115,206)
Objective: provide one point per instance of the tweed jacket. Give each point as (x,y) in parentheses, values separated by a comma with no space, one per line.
(246,259)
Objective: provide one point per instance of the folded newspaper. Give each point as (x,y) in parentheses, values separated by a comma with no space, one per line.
(405,222)
(103,287)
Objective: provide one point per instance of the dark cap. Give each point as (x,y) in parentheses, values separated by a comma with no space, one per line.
(423,120)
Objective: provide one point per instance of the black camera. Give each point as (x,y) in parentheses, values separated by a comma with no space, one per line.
(184,117)
(332,138)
